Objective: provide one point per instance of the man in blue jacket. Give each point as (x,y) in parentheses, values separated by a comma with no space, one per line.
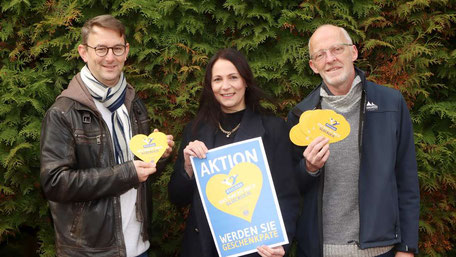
(361,194)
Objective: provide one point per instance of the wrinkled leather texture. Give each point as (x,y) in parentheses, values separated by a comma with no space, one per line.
(81,179)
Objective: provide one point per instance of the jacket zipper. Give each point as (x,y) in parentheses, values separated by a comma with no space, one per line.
(116,202)
(320,208)
(320,198)
(360,153)
(98,138)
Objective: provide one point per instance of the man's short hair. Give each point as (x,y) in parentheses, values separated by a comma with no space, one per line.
(344,32)
(105,21)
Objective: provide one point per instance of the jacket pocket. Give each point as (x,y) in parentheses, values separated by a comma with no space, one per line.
(93,224)
(395,210)
(89,149)
(75,229)
(87,139)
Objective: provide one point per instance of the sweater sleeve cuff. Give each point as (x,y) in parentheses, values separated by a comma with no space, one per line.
(303,167)
(314,174)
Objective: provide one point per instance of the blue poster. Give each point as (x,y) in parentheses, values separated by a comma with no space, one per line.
(239,199)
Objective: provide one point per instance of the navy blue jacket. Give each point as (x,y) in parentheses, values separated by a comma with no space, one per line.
(388,179)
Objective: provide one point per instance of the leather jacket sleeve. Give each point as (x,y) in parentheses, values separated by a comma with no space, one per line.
(65,175)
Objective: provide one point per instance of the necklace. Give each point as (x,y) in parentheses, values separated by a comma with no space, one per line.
(228,133)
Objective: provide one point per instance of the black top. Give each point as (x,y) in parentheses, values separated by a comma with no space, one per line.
(228,122)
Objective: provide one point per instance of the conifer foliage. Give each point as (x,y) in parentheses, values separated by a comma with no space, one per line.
(407,45)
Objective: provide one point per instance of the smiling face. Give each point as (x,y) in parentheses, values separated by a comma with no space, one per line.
(106,69)
(228,86)
(337,71)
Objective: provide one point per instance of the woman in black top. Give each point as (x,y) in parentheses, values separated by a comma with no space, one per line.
(229,112)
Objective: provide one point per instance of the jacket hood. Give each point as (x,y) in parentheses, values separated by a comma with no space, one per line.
(78,92)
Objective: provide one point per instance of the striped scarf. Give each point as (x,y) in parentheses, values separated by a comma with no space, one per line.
(113,98)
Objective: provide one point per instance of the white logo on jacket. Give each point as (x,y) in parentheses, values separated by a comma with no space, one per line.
(370,106)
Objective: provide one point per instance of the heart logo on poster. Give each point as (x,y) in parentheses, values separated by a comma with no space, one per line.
(237,192)
(316,123)
(149,148)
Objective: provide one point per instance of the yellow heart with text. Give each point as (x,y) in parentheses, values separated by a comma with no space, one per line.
(149,148)
(316,123)
(237,192)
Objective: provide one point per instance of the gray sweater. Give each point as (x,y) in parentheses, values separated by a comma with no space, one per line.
(340,195)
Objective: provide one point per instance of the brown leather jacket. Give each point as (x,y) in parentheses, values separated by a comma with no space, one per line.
(81,179)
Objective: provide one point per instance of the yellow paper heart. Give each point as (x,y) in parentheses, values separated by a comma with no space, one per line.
(149,148)
(316,123)
(298,137)
(236,193)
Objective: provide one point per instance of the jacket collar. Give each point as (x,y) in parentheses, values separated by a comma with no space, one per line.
(78,92)
(251,126)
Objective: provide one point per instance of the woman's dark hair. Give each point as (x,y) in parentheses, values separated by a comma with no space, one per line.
(209,108)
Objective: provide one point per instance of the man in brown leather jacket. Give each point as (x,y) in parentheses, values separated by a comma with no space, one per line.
(98,195)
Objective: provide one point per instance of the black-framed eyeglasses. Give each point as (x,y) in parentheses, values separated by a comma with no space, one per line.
(102,51)
(334,50)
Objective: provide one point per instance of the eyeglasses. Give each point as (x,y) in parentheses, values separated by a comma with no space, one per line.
(334,50)
(102,51)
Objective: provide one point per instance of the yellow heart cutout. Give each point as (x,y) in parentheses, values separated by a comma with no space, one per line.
(149,148)
(298,137)
(316,123)
(236,193)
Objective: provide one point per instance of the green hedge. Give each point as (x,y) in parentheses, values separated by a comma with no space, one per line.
(408,45)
